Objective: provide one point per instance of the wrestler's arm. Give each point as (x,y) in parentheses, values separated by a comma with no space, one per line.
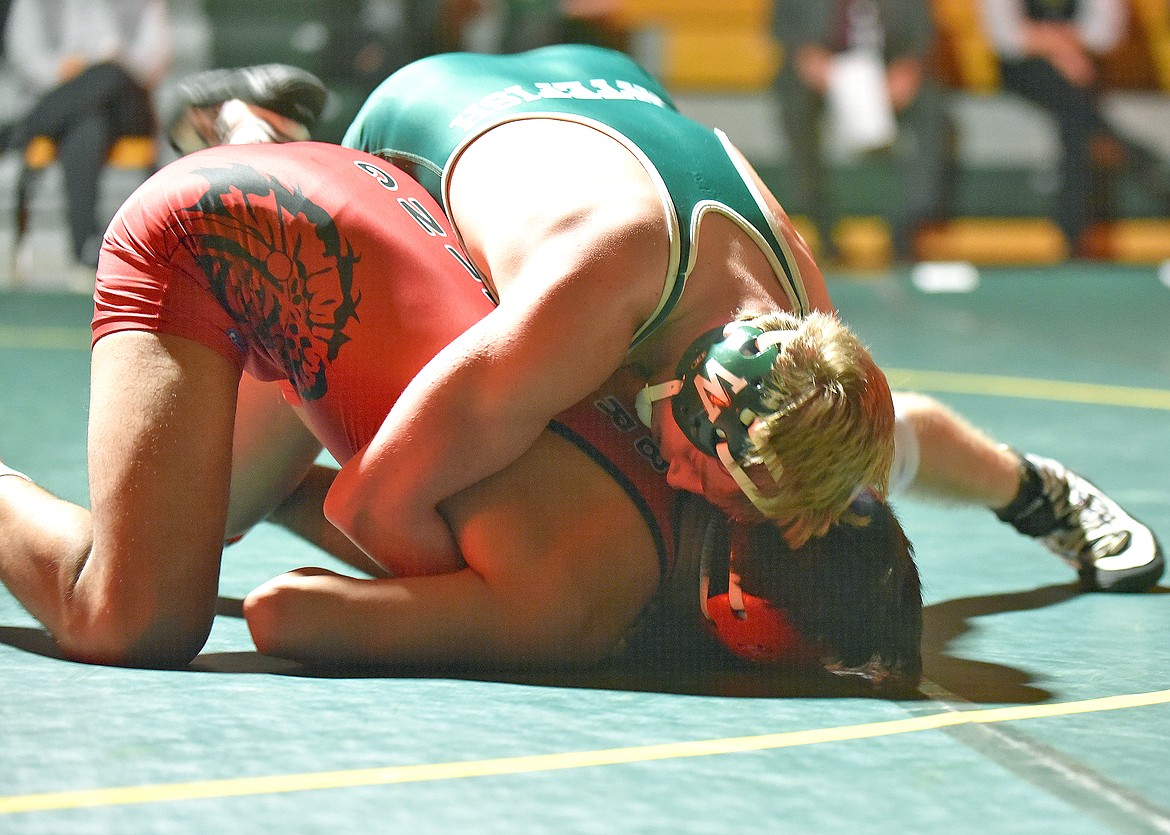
(563,327)
(559,563)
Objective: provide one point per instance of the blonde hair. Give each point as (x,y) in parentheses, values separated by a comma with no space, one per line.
(831,431)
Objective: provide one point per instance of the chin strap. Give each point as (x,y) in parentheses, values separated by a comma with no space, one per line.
(649,395)
(741,478)
(748,487)
(735,598)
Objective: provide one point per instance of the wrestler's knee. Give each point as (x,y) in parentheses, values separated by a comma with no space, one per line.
(137,634)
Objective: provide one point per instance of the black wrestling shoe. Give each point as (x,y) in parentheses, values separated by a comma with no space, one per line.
(289,98)
(1110,550)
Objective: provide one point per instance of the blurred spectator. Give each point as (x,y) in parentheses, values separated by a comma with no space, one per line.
(823,43)
(1048,53)
(370,39)
(89,66)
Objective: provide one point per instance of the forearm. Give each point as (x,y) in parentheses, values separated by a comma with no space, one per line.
(315,616)
(390,509)
(474,409)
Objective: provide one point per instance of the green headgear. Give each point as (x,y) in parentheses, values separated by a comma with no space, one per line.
(719,390)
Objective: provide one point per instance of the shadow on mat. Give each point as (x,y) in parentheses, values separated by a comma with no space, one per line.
(982,681)
(29,639)
(695,669)
(944,623)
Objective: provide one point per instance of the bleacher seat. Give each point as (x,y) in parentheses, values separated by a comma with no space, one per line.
(129,153)
(723,47)
(965,57)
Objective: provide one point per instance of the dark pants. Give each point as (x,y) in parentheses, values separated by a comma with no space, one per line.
(85,116)
(924,153)
(1077,121)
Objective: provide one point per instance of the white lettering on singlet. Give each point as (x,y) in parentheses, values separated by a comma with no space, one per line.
(467,265)
(423,218)
(516,95)
(618,414)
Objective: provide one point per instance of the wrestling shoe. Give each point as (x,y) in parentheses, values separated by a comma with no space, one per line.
(288,99)
(1110,550)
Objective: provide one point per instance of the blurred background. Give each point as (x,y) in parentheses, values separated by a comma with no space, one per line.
(996,178)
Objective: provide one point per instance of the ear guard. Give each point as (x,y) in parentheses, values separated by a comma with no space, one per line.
(719,395)
(702,596)
(748,626)
(848,602)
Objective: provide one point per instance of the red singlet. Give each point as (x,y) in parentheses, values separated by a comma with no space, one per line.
(329,269)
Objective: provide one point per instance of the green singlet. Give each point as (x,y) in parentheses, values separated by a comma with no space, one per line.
(424,115)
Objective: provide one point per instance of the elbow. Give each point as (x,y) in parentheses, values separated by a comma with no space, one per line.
(348,504)
(134,640)
(345,507)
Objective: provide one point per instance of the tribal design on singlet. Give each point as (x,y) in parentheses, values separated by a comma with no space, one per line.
(288,283)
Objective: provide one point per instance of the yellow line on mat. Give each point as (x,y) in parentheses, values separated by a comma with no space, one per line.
(242,786)
(989,384)
(48,338)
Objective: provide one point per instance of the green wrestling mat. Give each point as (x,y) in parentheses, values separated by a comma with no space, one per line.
(1043,710)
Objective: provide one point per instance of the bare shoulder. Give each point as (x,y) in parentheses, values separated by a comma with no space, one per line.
(554,497)
(534,182)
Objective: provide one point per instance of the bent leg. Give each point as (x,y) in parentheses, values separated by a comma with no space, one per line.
(77,98)
(135,580)
(957,463)
(1039,497)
